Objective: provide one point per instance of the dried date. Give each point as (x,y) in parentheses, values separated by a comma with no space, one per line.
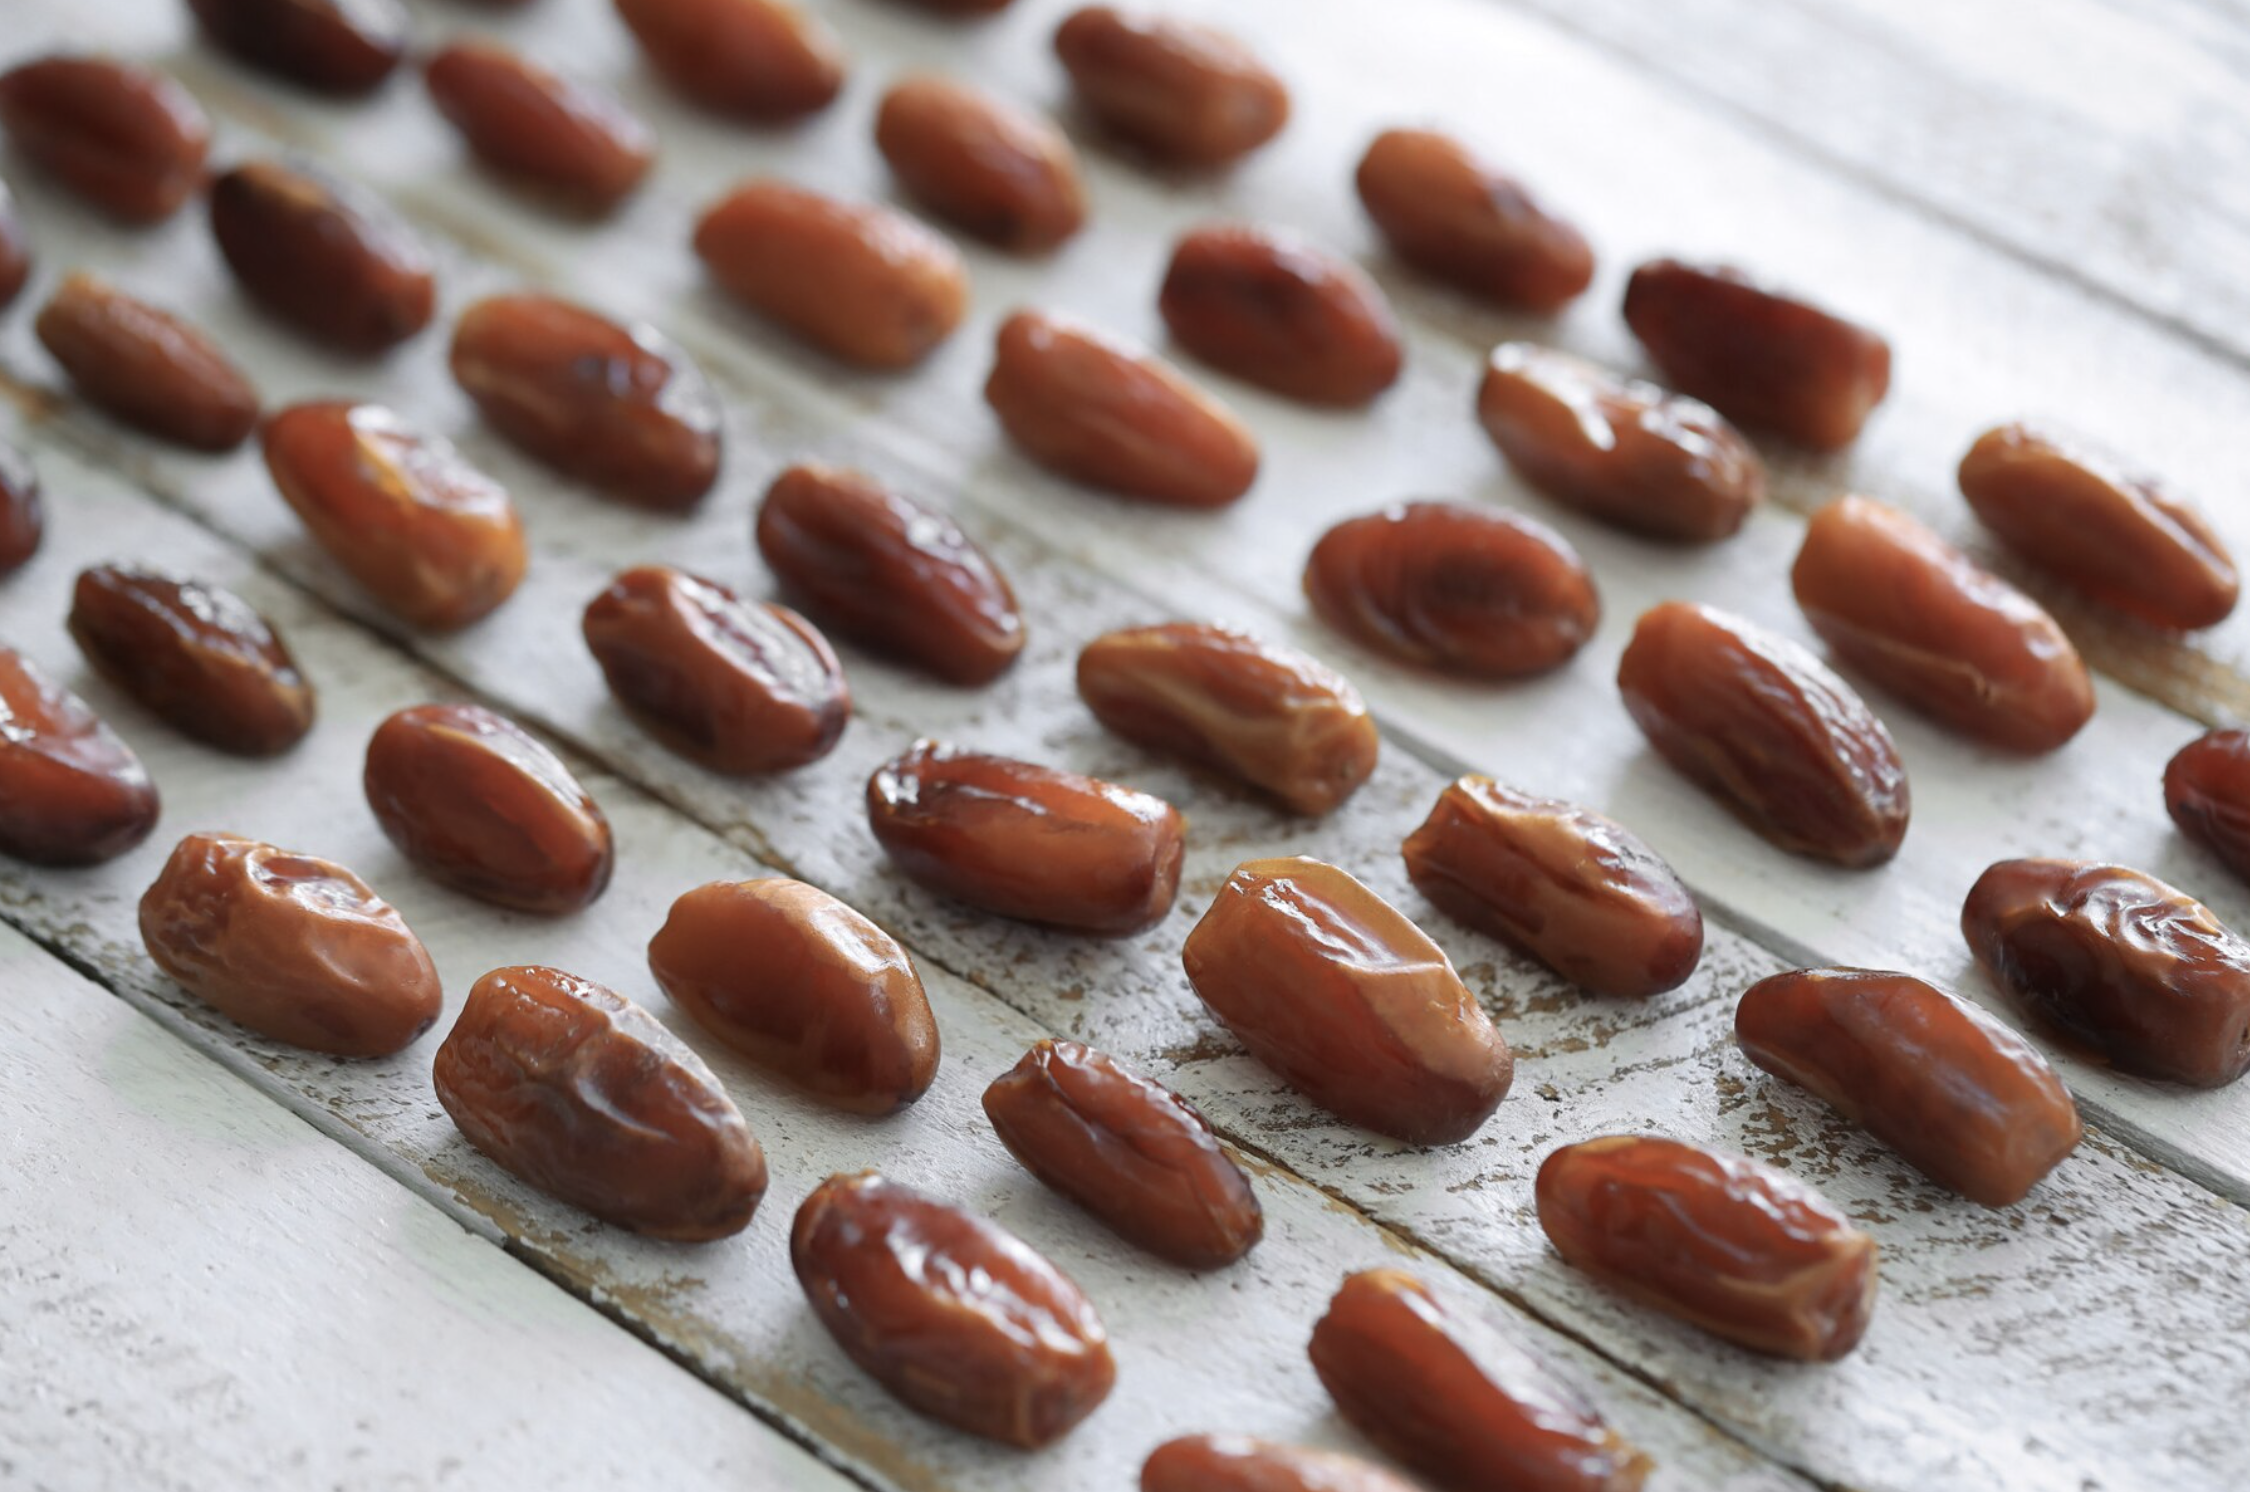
(1275,310)
(327,257)
(23,515)
(762,61)
(147,367)
(126,138)
(2207,793)
(994,171)
(1451,215)
(345,47)
(1183,92)
(1237,1463)
(549,132)
(15,249)
(71,792)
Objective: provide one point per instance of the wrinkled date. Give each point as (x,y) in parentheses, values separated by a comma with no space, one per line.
(2136,969)
(1454,588)
(293,946)
(618,406)
(764,61)
(23,516)
(2115,537)
(1026,841)
(995,171)
(1923,620)
(15,250)
(1451,215)
(2207,792)
(327,257)
(1740,1249)
(1274,310)
(956,1317)
(575,1090)
(1270,716)
(1453,1397)
(1348,1001)
(831,1003)
(478,804)
(1576,891)
(1130,1151)
(330,46)
(547,131)
(433,539)
(1624,451)
(889,573)
(198,655)
(1106,413)
(1181,91)
(71,792)
(128,139)
(1237,1463)
(1757,354)
(1765,727)
(147,367)
(1964,1099)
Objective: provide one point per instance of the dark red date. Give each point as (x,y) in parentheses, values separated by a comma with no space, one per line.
(147,367)
(345,47)
(1001,173)
(1237,1463)
(2207,792)
(15,249)
(763,61)
(1273,309)
(1181,91)
(126,138)
(71,792)
(1451,215)
(23,515)
(326,257)
(551,133)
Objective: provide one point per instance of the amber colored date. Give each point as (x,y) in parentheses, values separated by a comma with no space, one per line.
(577,1091)
(1267,715)
(537,127)
(1181,91)
(1275,310)
(997,172)
(146,366)
(1348,1001)
(345,47)
(1237,1463)
(2207,792)
(1740,1249)
(956,1317)
(23,516)
(2120,961)
(889,574)
(126,138)
(293,946)
(15,249)
(71,792)
(327,257)
(1127,1149)
(1451,215)
(1454,1397)
(762,61)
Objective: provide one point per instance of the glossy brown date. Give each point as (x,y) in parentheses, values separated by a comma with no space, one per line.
(23,516)
(1130,1151)
(1764,726)
(293,946)
(1740,1249)
(1758,355)
(71,792)
(889,574)
(15,249)
(997,172)
(1270,716)
(2207,792)
(1964,1099)
(198,655)
(1237,1463)
(575,1090)
(1458,1400)
(2119,961)
(126,138)
(957,1317)
(1348,1002)
(1275,310)
(1578,892)
(325,256)
(1626,452)
(1026,841)
(146,366)
(1183,92)
(1452,215)
(478,804)
(559,136)
(762,61)
(1462,590)
(345,47)
(2113,536)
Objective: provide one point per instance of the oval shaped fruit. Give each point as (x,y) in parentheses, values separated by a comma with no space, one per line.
(1756,354)
(293,946)
(198,655)
(71,792)
(126,138)
(430,537)
(1740,1249)
(889,573)
(1237,1463)
(23,517)
(15,249)
(2113,536)
(1923,620)
(1104,412)
(325,256)
(1454,1397)
(538,127)
(1620,450)
(575,1090)
(616,405)
(1183,92)
(1273,717)
(1764,726)
(830,1003)
(147,367)
(1275,310)
(330,46)
(997,172)
(1348,1001)
(1127,1149)
(1463,590)
(1027,841)
(474,801)
(764,61)
(1451,215)
(2138,970)
(2207,792)
(957,1317)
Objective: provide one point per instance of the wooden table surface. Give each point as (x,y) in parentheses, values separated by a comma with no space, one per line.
(226,1264)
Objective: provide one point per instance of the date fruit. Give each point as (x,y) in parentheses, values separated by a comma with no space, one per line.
(147,367)
(478,804)
(1270,716)
(761,61)
(997,172)
(1908,610)
(1617,449)
(1452,216)
(2119,961)
(345,47)
(1127,1149)
(2207,792)
(1764,726)
(15,249)
(575,1090)
(957,1317)
(23,516)
(1458,589)
(1348,1002)
(1185,93)
(126,138)
(325,256)
(293,946)
(1237,1463)
(552,133)
(1758,355)
(1723,1242)
(71,792)
(1025,841)
(1275,310)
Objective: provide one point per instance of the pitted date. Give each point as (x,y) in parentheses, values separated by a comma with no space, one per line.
(327,257)
(1237,1463)
(2207,792)
(23,515)
(763,61)
(1183,92)
(1275,310)
(345,47)
(577,1091)
(547,131)
(146,366)
(1127,1149)
(997,172)
(126,138)
(1348,1002)
(15,249)
(1451,215)
(1740,1249)
(71,792)
(957,1317)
